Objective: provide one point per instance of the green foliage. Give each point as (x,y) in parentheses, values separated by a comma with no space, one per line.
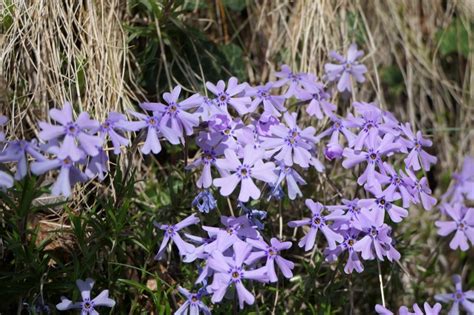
(455,38)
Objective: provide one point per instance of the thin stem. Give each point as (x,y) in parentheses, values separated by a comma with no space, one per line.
(381,283)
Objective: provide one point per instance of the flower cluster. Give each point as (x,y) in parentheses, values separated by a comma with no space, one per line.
(454,206)
(232,255)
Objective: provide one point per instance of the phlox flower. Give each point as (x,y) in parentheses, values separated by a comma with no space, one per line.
(6,180)
(204,201)
(17,151)
(318,98)
(403,310)
(317,222)
(98,166)
(351,217)
(292,179)
(272,255)
(87,306)
(72,131)
(291,144)
(193,304)
(347,68)
(395,183)
(232,96)
(206,160)
(462,183)
(111,128)
(254,216)
(273,105)
(171,232)
(3,122)
(243,172)
(460,297)
(174,113)
(376,149)
(420,190)
(353,260)
(462,222)
(230,271)
(334,148)
(377,236)
(384,203)
(417,157)
(154,131)
(69,173)
(264,123)
(294,81)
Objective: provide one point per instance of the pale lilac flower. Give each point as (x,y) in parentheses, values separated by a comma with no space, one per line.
(235,229)
(204,201)
(462,223)
(292,179)
(376,237)
(174,113)
(69,173)
(17,151)
(264,124)
(206,160)
(376,149)
(369,121)
(254,216)
(338,126)
(292,144)
(154,131)
(206,108)
(81,130)
(384,203)
(171,232)
(230,271)
(318,98)
(420,190)
(193,304)
(230,96)
(347,68)
(427,310)
(417,154)
(353,260)
(352,216)
(98,166)
(273,105)
(110,127)
(272,255)
(317,222)
(243,172)
(295,81)
(460,297)
(87,306)
(395,184)
(6,180)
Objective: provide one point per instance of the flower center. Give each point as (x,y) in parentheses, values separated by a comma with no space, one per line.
(152,121)
(351,242)
(170,230)
(87,306)
(244,171)
(194,298)
(373,232)
(72,129)
(223,98)
(172,108)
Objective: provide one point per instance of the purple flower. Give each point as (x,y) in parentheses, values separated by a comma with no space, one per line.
(171,232)
(466,298)
(318,221)
(254,216)
(384,203)
(87,306)
(206,160)
(352,216)
(17,151)
(462,183)
(204,201)
(292,179)
(252,167)
(81,130)
(462,223)
(264,124)
(347,69)
(339,126)
(417,154)
(420,190)
(154,131)
(295,81)
(428,310)
(230,96)
(272,104)
(230,271)
(69,173)
(98,166)
(110,127)
(353,260)
(291,144)
(272,255)
(376,238)
(6,180)
(193,304)
(376,149)
(396,184)
(318,101)
(174,114)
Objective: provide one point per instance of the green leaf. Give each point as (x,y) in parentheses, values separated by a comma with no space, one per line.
(454,39)
(234,56)
(235,5)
